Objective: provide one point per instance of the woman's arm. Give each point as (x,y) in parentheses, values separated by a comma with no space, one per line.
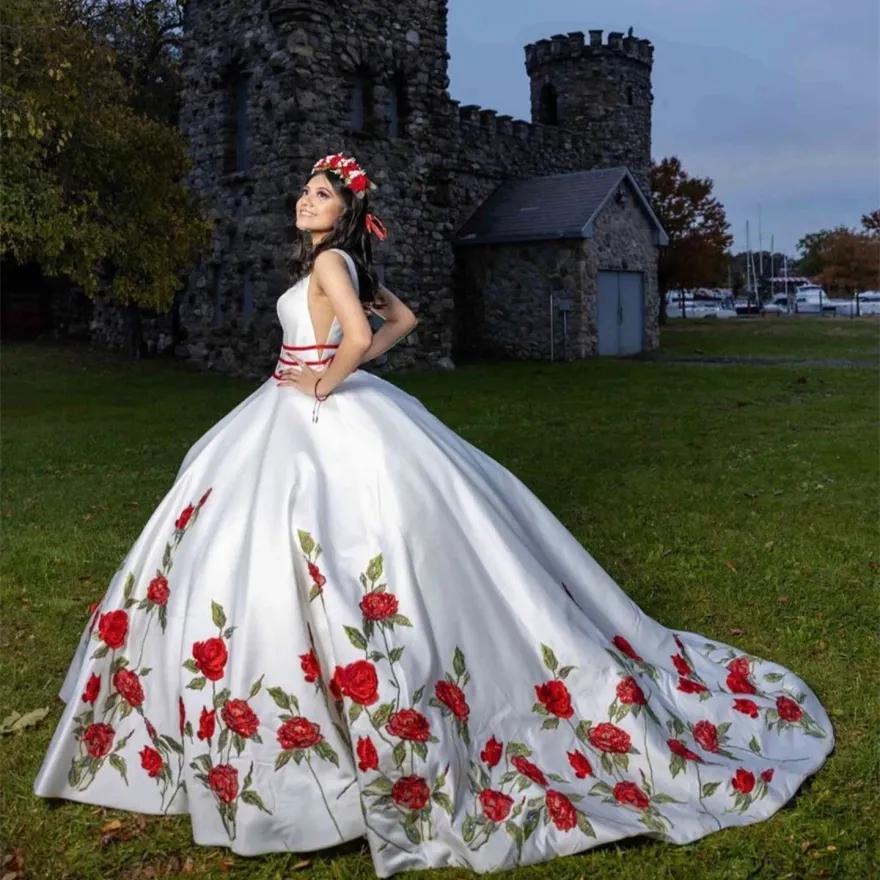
(398,322)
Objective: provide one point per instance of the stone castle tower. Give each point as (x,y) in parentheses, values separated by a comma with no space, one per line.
(271,86)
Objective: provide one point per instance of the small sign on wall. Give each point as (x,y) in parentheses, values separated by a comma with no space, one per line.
(564,304)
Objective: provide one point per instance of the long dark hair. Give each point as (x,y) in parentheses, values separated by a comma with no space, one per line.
(349,234)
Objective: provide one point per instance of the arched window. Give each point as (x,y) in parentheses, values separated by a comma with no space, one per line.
(237,153)
(398,107)
(548,105)
(361,85)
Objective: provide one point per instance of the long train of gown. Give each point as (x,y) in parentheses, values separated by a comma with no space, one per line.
(363,625)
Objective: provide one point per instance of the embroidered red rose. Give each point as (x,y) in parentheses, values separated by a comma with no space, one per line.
(310,666)
(299,733)
(529,770)
(336,683)
(185,516)
(368,757)
(747,707)
(767,775)
(580,765)
(181,714)
(555,698)
(788,709)
(210,657)
(359,682)
(631,795)
(686,686)
(98,739)
(678,642)
(223,781)
(238,716)
(151,761)
(379,606)
(629,692)
(740,666)
(452,696)
(315,574)
(677,747)
(409,724)
(738,684)
(158,591)
(496,805)
(561,810)
(129,686)
(93,613)
(411,792)
(706,734)
(491,754)
(609,738)
(625,647)
(92,689)
(207,723)
(151,731)
(113,628)
(681,664)
(205,497)
(743,781)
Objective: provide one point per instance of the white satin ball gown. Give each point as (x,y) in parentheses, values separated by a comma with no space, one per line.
(363,625)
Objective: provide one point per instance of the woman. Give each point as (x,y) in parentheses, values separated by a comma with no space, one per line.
(343,619)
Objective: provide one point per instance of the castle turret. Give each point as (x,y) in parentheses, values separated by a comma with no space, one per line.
(601,90)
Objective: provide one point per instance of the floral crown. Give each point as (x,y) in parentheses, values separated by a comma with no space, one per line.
(353,176)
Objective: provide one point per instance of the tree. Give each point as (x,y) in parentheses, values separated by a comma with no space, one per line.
(850,262)
(871,222)
(812,247)
(91,189)
(696,224)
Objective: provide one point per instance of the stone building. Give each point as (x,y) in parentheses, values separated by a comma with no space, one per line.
(271,85)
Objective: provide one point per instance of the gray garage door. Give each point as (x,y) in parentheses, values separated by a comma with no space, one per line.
(621,312)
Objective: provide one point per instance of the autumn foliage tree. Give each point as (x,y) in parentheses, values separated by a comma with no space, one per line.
(696,224)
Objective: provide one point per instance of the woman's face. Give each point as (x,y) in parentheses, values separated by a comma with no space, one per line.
(318,207)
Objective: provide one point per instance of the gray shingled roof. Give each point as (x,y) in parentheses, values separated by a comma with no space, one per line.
(554,207)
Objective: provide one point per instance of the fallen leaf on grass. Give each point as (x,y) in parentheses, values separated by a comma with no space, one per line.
(13,865)
(113,825)
(731,566)
(15,722)
(737,632)
(305,863)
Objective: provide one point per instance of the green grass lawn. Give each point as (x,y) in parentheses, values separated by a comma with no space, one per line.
(736,501)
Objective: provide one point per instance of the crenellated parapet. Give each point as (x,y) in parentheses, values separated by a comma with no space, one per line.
(575,46)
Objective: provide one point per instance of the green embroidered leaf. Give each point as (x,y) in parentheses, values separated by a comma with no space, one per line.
(417,695)
(550,660)
(354,712)
(382,714)
(249,778)
(540,708)
(550,723)
(515,749)
(74,775)
(255,687)
(668,799)
(621,761)
(325,751)
(314,593)
(773,677)
(375,656)
(420,749)
(375,568)
(565,671)
(399,754)
(677,765)
(442,800)
(224,739)
(458,663)
(298,755)
(111,701)
(723,728)
(117,762)
(163,617)
(412,832)
(221,697)
(606,763)
(515,833)
(218,615)
(280,698)
(172,743)
(380,783)
(585,826)
(252,798)
(399,620)
(468,828)
(101,652)
(678,727)
(356,638)
(125,711)
(557,778)
(190,665)
(600,788)
(531,821)
(306,542)
(523,783)
(583,730)
(145,670)
(709,788)
(129,585)
(396,654)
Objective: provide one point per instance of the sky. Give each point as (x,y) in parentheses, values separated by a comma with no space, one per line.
(778,101)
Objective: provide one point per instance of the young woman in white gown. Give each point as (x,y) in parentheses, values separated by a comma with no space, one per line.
(345,620)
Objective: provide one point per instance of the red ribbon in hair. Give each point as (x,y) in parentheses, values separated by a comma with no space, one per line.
(376,227)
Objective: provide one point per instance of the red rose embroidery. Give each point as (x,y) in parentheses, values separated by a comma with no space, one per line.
(157,591)
(113,628)
(92,689)
(625,647)
(706,734)
(207,723)
(368,757)
(681,664)
(238,716)
(299,733)
(151,731)
(98,739)
(409,724)
(205,497)
(529,770)
(767,776)
(491,754)
(747,707)
(740,666)
(496,805)
(743,781)
(310,666)
(678,642)
(609,738)
(580,765)
(555,698)
(336,683)
(181,714)
(359,682)
(788,709)
(631,795)
(185,516)
(129,687)
(93,613)
(315,574)
(738,684)
(561,810)
(411,792)
(677,747)
(379,606)
(210,657)
(151,761)
(629,692)
(223,781)
(452,696)
(686,686)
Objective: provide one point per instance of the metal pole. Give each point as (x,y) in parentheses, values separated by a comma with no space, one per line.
(551,327)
